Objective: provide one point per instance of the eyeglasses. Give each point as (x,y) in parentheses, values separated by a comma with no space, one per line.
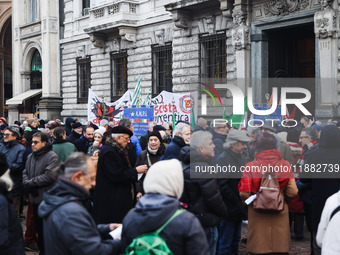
(36,142)
(301,137)
(126,137)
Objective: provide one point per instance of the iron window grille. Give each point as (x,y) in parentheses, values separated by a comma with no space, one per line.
(213,56)
(83,79)
(162,69)
(119,75)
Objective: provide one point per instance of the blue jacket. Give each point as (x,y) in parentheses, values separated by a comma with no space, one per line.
(174,148)
(68,226)
(135,141)
(14,152)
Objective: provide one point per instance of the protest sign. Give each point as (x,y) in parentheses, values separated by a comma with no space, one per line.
(140,117)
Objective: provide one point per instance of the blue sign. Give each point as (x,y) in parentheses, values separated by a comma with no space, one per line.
(140,117)
(274,116)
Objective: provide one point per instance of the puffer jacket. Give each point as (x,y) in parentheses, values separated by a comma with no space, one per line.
(14,152)
(68,226)
(202,194)
(183,235)
(174,148)
(40,173)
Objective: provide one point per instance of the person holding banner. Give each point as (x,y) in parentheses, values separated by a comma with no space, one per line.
(115,182)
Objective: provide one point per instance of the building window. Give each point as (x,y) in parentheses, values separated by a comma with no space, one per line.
(213,59)
(36,68)
(119,79)
(85,7)
(162,69)
(83,79)
(34,10)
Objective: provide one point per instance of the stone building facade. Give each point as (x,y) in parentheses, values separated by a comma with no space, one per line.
(36,60)
(5,54)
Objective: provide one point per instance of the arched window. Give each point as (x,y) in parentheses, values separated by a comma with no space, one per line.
(36,68)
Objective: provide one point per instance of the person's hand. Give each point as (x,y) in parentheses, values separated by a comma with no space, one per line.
(139,195)
(113,226)
(142,169)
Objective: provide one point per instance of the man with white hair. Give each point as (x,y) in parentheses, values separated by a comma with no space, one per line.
(182,138)
(202,194)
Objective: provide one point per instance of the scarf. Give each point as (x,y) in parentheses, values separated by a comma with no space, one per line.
(122,152)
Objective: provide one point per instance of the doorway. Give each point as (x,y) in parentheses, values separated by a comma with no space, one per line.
(292,55)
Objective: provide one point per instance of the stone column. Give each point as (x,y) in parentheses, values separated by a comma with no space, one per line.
(240,40)
(2,83)
(51,101)
(326,28)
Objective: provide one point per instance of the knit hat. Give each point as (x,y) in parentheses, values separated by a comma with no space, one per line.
(121,130)
(3,126)
(15,130)
(3,119)
(100,130)
(165,177)
(76,125)
(157,134)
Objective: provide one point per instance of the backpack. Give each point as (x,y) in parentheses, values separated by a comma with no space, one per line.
(152,243)
(270,197)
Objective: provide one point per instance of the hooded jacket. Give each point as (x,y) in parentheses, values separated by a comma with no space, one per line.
(68,226)
(11,238)
(68,127)
(39,174)
(183,235)
(14,152)
(63,149)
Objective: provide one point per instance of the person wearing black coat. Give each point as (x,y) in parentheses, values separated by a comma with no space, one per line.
(202,194)
(11,238)
(327,153)
(85,141)
(68,226)
(76,132)
(182,138)
(153,153)
(115,189)
(68,125)
(219,136)
(163,186)
(230,227)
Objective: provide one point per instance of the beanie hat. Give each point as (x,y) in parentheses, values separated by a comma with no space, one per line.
(76,125)
(165,177)
(157,134)
(3,119)
(100,130)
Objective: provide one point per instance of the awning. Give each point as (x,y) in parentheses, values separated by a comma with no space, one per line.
(26,95)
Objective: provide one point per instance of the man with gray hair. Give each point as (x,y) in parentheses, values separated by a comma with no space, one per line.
(68,226)
(202,194)
(230,226)
(182,137)
(201,125)
(308,140)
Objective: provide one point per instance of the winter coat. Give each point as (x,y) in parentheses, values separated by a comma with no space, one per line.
(135,142)
(174,148)
(63,149)
(286,152)
(229,186)
(218,140)
(268,232)
(114,194)
(327,152)
(14,152)
(328,235)
(183,235)
(40,173)
(68,226)
(82,144)
(68,127)
(73,137)
(11,237)
(202,194)
(143,160)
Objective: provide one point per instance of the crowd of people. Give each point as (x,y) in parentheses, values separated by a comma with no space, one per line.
(82,182)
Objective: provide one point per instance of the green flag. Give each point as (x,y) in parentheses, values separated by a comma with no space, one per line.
(193,122)
(137,94)
(236,119)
